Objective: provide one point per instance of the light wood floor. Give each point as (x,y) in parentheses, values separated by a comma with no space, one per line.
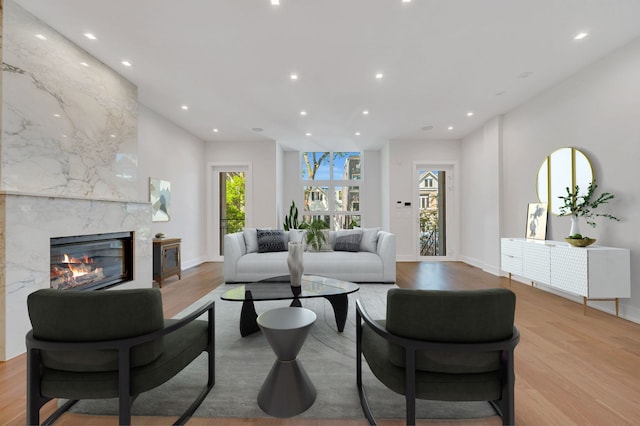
(571,369)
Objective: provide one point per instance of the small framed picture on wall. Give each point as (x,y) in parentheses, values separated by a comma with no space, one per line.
(160,198)
(536,221)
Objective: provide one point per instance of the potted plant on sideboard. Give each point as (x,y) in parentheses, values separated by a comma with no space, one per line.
(576,206)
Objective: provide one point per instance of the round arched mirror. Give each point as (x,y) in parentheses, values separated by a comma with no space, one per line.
(562,169)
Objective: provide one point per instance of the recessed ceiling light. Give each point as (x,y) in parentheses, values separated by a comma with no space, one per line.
(379,75)
(41,37)
(357,133)
(470,113)
(406,1)
(56,115)
(84,64)
(293,76)
(215,130)
(185,107)
(303,112)
(365,112)
(112,135)
(275,2)
(580,36)
(307,134)
(126,63)
(90,36)
(450,128)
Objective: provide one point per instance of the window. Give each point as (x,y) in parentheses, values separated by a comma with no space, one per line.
(331,186)
(424,201)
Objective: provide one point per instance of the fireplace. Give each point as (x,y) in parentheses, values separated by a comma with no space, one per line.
(91,262)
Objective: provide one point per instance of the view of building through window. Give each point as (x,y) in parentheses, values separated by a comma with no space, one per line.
(334,194)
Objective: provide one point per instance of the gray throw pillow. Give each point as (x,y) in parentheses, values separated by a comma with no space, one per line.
(271,240)
(348,240)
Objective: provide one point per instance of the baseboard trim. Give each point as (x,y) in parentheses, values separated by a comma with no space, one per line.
(192,263)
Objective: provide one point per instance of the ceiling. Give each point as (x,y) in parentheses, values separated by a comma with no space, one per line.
(230,61)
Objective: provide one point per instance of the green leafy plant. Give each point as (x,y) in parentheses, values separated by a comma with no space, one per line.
(583,205)
(291,220)
(315,235)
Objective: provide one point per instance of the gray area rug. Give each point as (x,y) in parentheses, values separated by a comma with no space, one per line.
(243,363)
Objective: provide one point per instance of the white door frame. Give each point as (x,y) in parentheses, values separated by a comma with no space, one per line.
(452,212)
(213,202)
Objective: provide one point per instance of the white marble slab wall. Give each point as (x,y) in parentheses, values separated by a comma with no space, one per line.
(69,122)
(68,162)
(30,224)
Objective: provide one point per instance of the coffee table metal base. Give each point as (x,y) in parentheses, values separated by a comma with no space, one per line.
(248,314)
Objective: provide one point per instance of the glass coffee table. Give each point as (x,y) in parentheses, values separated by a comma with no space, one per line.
(279,288)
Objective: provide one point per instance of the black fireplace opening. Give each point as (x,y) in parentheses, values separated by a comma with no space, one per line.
(91,262)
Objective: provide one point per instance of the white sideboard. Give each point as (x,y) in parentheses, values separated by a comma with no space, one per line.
(594,272)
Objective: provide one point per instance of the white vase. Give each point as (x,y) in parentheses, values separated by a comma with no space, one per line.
(574,225)
(295,263)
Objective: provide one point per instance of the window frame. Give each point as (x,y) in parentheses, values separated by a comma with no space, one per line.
(333,185)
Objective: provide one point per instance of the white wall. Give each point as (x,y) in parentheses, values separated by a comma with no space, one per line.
(597,111)
(371,190)
(481,197)
(473,194)
(168,152)
(385,199)
(402,156)
(282,206)
(291,185)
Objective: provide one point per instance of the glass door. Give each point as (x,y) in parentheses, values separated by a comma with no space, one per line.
(231,204)
(431,211)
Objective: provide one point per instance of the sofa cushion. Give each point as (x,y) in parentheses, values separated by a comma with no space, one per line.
(349,266)
(271,240)
(369,240)
(250,239)
(348,240)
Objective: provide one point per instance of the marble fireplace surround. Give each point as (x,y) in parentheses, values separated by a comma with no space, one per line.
(30,222)
(68,162)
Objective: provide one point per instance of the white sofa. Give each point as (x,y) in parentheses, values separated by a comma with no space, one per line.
(375,262)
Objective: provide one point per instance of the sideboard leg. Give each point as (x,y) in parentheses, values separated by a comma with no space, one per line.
(617,307)
(584,304)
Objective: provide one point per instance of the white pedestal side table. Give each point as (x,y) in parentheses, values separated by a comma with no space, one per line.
(287,390)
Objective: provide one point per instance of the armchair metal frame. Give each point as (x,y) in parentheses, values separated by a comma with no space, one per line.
(35,400)
(503,406)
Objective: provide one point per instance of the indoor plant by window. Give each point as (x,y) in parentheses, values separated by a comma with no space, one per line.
(315,233)
(576,206)
(291,220)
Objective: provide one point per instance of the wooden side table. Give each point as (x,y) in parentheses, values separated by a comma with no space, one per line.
(166,259)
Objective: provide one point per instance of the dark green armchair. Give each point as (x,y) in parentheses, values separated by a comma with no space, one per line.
(109,344)
(441,345)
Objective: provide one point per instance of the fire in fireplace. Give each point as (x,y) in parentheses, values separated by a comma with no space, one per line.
(91,262)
